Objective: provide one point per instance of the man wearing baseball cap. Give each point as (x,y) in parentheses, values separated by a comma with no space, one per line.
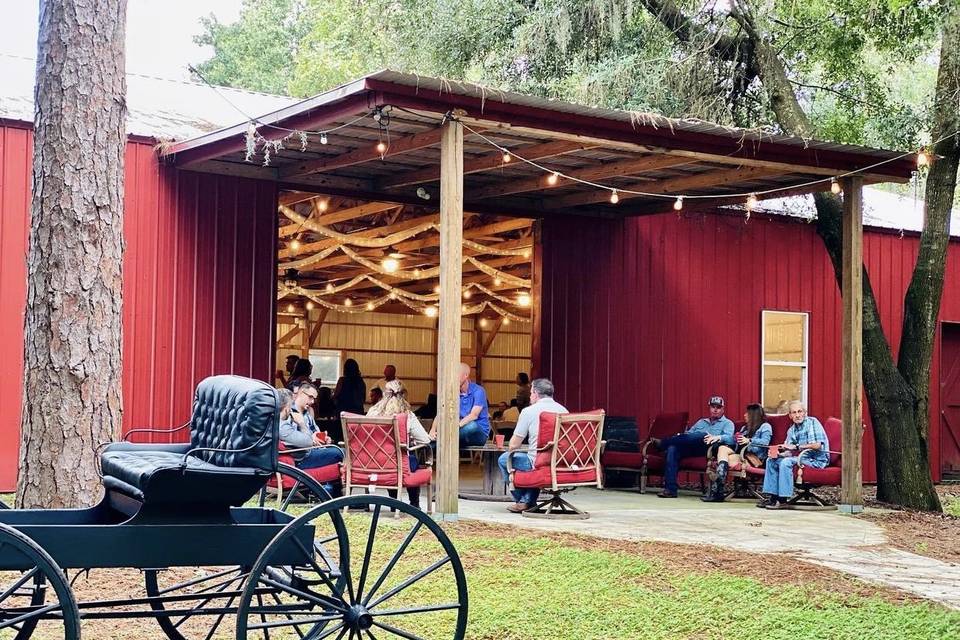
(694,442)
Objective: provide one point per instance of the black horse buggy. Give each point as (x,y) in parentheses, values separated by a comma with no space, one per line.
(217,560)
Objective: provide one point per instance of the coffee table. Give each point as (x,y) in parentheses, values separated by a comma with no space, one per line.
(494,488)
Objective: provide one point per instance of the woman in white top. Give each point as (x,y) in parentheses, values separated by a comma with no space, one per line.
(395,402)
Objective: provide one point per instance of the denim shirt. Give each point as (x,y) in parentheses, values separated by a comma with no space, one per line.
(808,431)
(722,427)
(760,441)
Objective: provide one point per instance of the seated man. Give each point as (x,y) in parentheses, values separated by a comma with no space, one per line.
(474,416)
(695,442)
(528,428)
(806,433)
(299,431)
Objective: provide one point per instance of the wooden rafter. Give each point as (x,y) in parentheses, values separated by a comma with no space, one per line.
(669,185)
(372,232)
(410,264)
(493,160)
(315,333)
(599,172)
(362,154)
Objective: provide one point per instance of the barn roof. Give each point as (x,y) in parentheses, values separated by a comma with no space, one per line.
(159,108)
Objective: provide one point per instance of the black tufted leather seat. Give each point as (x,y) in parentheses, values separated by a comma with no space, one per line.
(232,450)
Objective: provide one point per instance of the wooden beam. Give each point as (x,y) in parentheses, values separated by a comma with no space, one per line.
(321,316)
(290,334)
(352,213)
(488,340)
(372,232)
(851,384)
(493,160)
(506,261)
(599,172)
(449,326)
(669,185)
(536,308)
(362,154)
(304,337)
(408,264)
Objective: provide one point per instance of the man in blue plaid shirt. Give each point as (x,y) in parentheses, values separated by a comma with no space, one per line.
(806,441)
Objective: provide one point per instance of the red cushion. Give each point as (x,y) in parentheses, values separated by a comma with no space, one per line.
(827,476)
(780,422)
(418,478)
(540,478)
(657,461)
(372,446)
(329,473)
(628,459)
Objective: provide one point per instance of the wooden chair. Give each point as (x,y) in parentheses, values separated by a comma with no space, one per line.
(568,456)
(376,456)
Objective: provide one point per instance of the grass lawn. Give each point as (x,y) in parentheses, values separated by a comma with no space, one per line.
(525,585)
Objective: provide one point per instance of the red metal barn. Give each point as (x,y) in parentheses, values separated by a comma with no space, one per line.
(637,314)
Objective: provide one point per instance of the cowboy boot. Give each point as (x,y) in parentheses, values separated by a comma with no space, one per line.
(716,488)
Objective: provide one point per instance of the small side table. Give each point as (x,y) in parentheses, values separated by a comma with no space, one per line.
(494,488)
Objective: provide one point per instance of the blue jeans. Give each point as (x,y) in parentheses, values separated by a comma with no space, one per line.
(320,457)
(472,435)
(778,477)
(677,448)
(521,462)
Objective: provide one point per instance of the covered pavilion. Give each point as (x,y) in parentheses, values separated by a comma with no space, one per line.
(392,139)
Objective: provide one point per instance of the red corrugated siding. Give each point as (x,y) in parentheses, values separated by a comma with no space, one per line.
(199,284)
(656,313)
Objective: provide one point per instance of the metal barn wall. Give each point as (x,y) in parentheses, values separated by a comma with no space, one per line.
(657,313)
(198,284)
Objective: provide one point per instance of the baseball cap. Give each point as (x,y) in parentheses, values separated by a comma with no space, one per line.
(716,400)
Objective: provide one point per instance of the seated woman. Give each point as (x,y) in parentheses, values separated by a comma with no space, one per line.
(752,442)
(395,402)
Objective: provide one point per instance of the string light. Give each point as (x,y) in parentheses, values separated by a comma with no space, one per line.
(370,306)
(614,198)
(463,309)
(467,294)
(526,254)
(431,311)
(483,323)
(329,287)
(323,138)
(523,300)
(497,282)
(392,295)
(506,157)
(290,308)
(923,159)
(678,203)
(553,178)
(752,201)
(506,320)
(294,245)
(309,305)
(348,302)
(416,273)
(835,186)
(436,289)
(390,265)
(381,147)
(323,205)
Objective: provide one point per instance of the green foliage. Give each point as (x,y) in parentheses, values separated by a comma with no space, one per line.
(864,69)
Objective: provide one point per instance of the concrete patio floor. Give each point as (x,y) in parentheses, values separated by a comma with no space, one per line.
(826,538)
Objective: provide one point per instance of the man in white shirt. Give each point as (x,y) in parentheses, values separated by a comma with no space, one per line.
(528,428)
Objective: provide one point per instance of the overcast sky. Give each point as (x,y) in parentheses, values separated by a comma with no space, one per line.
(159,32)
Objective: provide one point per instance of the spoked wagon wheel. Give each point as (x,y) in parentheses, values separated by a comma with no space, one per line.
(294,486)
(34,593)
(400,578)
(204,599)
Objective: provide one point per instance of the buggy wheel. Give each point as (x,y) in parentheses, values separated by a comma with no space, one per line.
(205,598)
(398,578)
(34,593)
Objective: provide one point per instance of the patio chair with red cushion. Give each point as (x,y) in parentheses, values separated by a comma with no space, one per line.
(568,456)
(287,483)
(750,477)
(376,456)
(647,459)
(808,478)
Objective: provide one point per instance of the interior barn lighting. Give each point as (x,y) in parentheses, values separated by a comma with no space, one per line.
(381,147)
(323,205)
(467,294)
(329,287)
(506,320)
(348,302)
(370,306)
(436,289)
(523,299)
(290,308)
(294,245)
(497,282)
(390,265)
(309,305)
(431,312)
(483,322)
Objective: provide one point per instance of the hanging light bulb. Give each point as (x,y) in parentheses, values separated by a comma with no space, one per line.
(463,309)
(506,157)
(834,185)
(526,253)
(431,311)
(497,282)
(923,159)
(523,299)
(614,198)
(309,305)
(370,306)
(323,138)
(329,287)
(294,245)
(467,294)
(678,203)
(436,289)
(483,322)
(390,265)
(323,205)
(506,320)
(290,308)
(381,147)
(416,273)
(348,302)
(553,178)
(752,202)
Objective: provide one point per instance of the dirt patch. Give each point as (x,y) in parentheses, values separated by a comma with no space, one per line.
(929,534)
(768,569)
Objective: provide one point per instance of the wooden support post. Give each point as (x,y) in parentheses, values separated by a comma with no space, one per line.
(851,400)
(305,335)
(449,326)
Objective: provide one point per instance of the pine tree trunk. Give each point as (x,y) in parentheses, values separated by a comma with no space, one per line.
(72,328)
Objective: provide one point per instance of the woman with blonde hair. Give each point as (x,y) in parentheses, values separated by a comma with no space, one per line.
(394,402)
